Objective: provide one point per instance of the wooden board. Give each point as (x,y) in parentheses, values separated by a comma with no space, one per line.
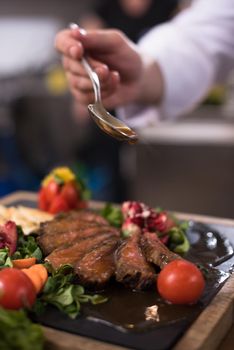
(206,332)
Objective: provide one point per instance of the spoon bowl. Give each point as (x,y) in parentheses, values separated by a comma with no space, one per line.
(108,123)
(111,125)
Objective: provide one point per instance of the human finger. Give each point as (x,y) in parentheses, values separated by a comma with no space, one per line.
(77,71)
(76,67)
(109,85)
(102,41)
(73,66)
(88,97)
(83,98)
(66,44)
(78,82)
(84,84)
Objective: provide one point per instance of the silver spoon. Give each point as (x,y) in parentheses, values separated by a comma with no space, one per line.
(109,124)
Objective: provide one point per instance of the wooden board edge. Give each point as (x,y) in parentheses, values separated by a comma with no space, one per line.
(59,340)
(214,322)
(17,196)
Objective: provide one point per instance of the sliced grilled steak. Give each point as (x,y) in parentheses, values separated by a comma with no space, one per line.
(155,251)
(49,242)
(132,269)
(71,222)
(72,253)
(98,266)
(84,215)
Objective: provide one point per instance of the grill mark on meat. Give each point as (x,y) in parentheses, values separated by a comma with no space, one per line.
(155,251)
(72,253)
(85,215)
(71,221)
(63,225)
(98,266)
(50,242)
(132,269)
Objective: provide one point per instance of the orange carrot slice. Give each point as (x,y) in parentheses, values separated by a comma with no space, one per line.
(42,272)
(35,278)
(38,275)
(24,263)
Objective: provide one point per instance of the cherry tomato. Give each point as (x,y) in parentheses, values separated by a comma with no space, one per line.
(181,282)
(42,199)
(51,190)
(58,205)
(8,236)
(16,289)
(70,194)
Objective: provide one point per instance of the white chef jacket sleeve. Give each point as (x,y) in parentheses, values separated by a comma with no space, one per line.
(194,51)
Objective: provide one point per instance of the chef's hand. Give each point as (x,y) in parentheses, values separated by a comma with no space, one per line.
(125,74)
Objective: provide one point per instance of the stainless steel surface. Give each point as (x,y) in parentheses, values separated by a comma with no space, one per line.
(109,124)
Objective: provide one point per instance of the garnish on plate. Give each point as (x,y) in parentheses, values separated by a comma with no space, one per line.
(60,292)
(21,271)
(16,289)
(181,282)
(17,332)
(133,217)
(62,190)
(112,214)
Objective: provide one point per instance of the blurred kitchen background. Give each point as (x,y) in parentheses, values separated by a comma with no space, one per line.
(185,166)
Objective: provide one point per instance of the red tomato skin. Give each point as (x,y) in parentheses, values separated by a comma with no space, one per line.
(180,282)
(70,193)
(16,289)
(58,205)
(42,199)
(51,190)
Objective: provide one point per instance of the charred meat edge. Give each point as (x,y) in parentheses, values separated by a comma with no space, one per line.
(132,269)
(155,251)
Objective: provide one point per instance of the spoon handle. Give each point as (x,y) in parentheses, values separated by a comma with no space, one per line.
(94,78)
(92,75)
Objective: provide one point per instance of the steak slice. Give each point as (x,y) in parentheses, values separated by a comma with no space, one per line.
(132,269)
(72,253)
(155,251)
(71,221)
(84,215)
(97,266)
(49,242)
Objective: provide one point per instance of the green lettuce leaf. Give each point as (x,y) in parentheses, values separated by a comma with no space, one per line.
(178,241)
(60,292)
(27,247)
(17,332)
(112,214)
